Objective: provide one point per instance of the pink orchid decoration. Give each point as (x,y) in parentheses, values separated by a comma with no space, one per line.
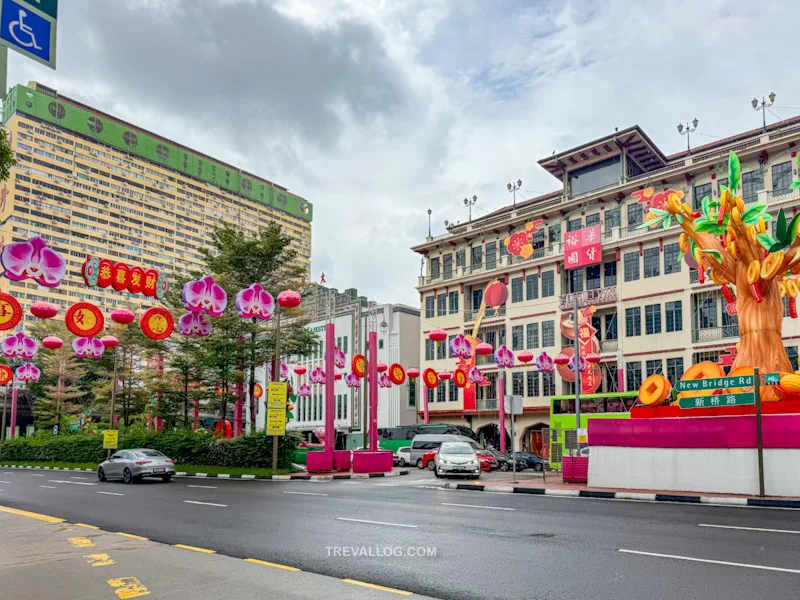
(317,375)
(284,372)
(304,391)
(582,363)
(194,324)
(545,363)
(255,301)
(384,381)
(28,372)
(19,345)
(204,295)
(460,347)
(338,358)
(352,380)
(474,375)
(33,259)
(504,357)
(87,347)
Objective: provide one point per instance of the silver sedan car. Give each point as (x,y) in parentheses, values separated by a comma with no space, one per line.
(456,458)
(132,465)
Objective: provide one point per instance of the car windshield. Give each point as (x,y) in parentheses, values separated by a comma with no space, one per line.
(150,453)
(457,449)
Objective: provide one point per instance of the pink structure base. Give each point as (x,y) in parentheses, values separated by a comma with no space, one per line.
(364,461)
(319,461)
(575,469)
(341,460)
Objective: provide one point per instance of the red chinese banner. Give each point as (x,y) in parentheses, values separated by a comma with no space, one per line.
(103,273)
(582,247)
(589,378)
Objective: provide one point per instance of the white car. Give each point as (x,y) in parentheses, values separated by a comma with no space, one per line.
(403,456)
(456,458)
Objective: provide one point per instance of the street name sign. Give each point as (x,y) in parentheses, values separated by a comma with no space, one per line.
(719,400)
(714,383)
(772,379)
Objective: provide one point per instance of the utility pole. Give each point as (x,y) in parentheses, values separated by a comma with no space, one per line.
(469,202)
(514,188)
(688,129)
(763,106)
(577,361)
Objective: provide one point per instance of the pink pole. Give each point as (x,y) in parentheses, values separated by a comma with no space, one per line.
(424,402)
(330,382)
(373,391)
(237,411)
(196,415)
(620,380)
(13,409)
(501,405)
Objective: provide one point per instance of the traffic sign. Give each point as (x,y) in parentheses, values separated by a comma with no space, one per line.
(110,439)
(772,379)
(719,400)
(29,27)
(714,383)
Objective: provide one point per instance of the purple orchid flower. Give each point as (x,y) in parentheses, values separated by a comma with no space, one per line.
(338,358)
(304,391)
(384,381)
(28,372)
(475,376)
(255,301)
(460,347)
(352,380)
(33,259)
(19,345)
(545,363)
(204,295)
(87,347)
(194,324)
(284,372)
(504,358)
(582,363)
(317,375)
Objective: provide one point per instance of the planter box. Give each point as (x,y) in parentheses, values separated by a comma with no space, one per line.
(365,461)
(575,469)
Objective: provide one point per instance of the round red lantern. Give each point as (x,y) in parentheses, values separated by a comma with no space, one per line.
(6,374)
(593,357)
(300,370)
(438,335)
(561,359)
(135,280)
(430,377)
(10,311)
(412,373)
(258,390)
(337,376)
(43,310)
(122,316)
(120,277)
(289,299)
(157,323)
(460,378)
(381,367)
(84,319)
(496,294)
(445,375)
(525,357)
(484,349)
(358,364)
(109,341)
(397,374)
(52,342)
(105,273)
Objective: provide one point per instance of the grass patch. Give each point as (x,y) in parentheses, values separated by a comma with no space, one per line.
(210,469)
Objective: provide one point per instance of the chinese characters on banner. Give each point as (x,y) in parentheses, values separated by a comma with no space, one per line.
(582,247)
(589,378)
(104,273)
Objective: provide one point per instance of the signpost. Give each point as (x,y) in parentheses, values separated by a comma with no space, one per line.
(28,27)
(513,406)
(110,439)
(720,400)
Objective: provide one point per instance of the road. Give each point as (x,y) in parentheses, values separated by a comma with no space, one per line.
(487,545)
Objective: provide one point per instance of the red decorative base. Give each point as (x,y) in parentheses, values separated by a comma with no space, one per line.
(341,460)
(319,461)
(365,461)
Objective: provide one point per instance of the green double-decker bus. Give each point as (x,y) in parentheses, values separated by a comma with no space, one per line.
(394,438)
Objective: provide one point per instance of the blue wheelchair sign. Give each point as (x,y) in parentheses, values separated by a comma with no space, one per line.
(28,31)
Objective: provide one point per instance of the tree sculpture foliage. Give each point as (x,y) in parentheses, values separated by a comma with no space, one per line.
(729,241)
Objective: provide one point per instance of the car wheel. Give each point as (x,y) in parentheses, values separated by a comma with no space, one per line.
(401,462)
(101,475)
(166,478)
(538,467)
(431,465)
(419,463)
(126,476)
(504,466)
(436,472)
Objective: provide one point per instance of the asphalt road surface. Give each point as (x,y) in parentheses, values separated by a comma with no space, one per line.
(485,545)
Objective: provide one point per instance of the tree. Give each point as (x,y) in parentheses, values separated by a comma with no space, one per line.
(730,241)
(7,159)
(59,399)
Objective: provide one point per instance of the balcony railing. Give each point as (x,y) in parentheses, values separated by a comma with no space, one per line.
(775,196)
(715,334)
(609,345)
(597,297)
(486,404)
(471,315)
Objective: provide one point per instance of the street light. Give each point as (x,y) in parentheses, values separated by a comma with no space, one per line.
(514,188)
(687,129)
(763,106)
(469,202)
(384,327)
(429,222)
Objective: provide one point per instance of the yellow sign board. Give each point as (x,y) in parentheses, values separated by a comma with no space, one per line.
(276,395)
(110,439)
(276,422)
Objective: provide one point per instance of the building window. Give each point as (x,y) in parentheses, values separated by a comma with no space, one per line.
(635,215)
(531,287)
(781,178)
(548,384)
(611,327)
(554,233)
(752,183)
(652,266)
(722,183)
(516,289)
(461,258)
(593,219)
(593,277)
(548,284)
(595,176)
(477,298)
(708,313)
(672,263)
(441,351)
(441,391)
(448,266)
(429,307)
(532,335)
(791,352)
(453,396)
(344,344)
(633,321)
(516,337)
(698,193)
(518,384)
(673,314)
(631,266)
(612,219)
(429,345)
(441,305)
(575,277)
(538,240)
(491,255)
(548,334)
(652,319)
(654,366)
(574,224)
(453,298)
(633,376)
(412,396)
(434,267)
(477,256)
(674,369)
(533,383)
(380,344)
(610,274)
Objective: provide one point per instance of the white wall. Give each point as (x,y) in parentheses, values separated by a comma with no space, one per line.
(712,470)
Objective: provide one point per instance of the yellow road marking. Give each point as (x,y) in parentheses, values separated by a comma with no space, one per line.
(99,560)
(130,535)
(377,587)
(269,564)
(65,528)
(81,542)
(25,513)
(86,526)
(128,587)
(196,549)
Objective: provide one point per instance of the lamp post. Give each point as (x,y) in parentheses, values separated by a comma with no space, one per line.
(469,202)
(513,188)
(688,129)
(763,106)
(429,222)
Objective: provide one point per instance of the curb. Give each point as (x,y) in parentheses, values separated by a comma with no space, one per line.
(47,468)
(679,498)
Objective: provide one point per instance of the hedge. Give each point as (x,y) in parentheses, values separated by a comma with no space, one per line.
(184,448)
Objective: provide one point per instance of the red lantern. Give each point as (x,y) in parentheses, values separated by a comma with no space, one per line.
(412,373)
(122,316)
(43,310)
(496,294)
(460,378)
(593,357)
(300,370)
(105,274)
(438,335)
(358,364)
(525,357)
(397,374)
(84,319)
(10,311)
(149,285)
(120,281)
(561,359)
(289,299)
(445,375)
(381,367)
(430,377)
(484,349)
(52,342)
(6,374)
(135,280)
(337,376)
(157,323)
(109,341)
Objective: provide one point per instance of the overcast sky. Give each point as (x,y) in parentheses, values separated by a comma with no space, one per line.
(376,110)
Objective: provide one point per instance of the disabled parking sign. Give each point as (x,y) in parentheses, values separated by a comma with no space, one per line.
(29,30)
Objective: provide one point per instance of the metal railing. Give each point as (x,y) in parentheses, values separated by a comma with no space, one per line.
(599,296)
(775,196)
(486,404)
(471,315)
(609,345)
(715,334)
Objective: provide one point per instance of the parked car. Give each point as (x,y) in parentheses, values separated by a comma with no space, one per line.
(456,458)
(504,460)
(424,442)
(403,456)
(532,461)
(488,461)
(131,465)
(426,462)
(584,451)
